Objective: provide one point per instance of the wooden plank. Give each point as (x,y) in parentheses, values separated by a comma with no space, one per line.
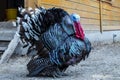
(2,49)
(91,27)
(111,8)
(6,35)
(109,23)
(89,21)
(30,3)
(67,4)
(105,17)
(107,12)
(4,43)
(52,2)
(87,2)
(111,27)
(117,14)
(83,13)
(116,3)
(80,7)
(113,13)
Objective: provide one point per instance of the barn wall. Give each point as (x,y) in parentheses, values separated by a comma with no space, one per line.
(89,10)
(111,15)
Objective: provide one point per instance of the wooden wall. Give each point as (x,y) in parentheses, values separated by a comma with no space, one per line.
(89,10)
(111,16)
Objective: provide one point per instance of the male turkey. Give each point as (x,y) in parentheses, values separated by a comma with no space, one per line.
(57,37)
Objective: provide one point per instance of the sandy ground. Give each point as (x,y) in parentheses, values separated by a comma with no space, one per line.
(102,64)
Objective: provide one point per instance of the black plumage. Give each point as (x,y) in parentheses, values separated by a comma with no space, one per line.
(51,32)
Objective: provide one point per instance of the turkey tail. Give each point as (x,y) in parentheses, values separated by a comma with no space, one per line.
(30,25)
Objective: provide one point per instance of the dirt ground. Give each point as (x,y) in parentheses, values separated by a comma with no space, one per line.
(102,64)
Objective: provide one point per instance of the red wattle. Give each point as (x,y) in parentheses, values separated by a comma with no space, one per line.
(79,33)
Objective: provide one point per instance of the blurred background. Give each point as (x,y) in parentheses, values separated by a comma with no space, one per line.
(100,15)
(8,9)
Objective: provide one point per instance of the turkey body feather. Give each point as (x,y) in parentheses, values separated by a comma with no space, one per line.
(51,33)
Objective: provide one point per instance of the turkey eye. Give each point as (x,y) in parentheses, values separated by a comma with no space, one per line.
(74,17)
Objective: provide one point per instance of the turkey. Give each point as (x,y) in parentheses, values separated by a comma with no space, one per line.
(57,37)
